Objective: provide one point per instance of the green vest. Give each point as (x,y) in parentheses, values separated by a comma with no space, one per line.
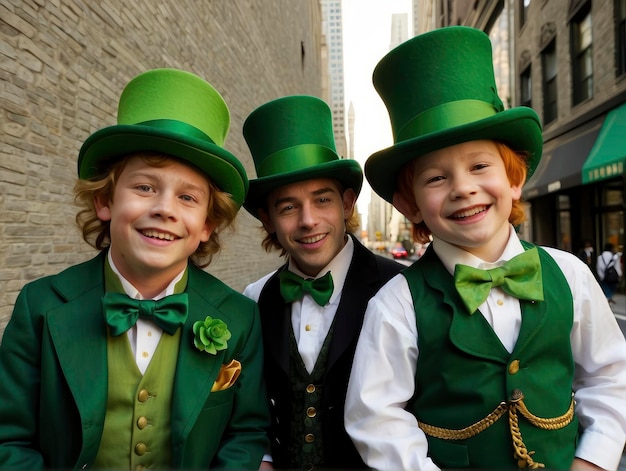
(137,432)
(137,424)
(306,445)
(464,372)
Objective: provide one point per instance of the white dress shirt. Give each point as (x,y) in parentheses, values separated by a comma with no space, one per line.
(144,336)
(382,380)
(310,321)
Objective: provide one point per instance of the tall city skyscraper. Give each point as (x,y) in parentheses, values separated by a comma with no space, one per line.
(332,28)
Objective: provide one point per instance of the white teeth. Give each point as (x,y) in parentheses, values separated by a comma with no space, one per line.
(312,240)
(158,235)
(470,212)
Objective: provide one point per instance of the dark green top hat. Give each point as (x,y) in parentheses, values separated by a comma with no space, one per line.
(439,89)
(171,112)
(291,139)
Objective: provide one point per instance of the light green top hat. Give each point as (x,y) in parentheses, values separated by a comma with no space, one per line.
(439,89)
(172,112)
(291,140)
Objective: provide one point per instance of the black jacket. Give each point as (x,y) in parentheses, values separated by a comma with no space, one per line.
(367,273)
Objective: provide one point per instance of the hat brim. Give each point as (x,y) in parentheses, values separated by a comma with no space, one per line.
(519,128)
(347,171)
(110,144)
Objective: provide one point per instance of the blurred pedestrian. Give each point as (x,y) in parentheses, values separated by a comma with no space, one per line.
(609,258)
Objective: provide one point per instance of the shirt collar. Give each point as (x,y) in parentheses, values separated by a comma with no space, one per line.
(451,255)
(338,267)
(132,292)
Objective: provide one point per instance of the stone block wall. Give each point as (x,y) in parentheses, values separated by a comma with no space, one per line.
(63,64)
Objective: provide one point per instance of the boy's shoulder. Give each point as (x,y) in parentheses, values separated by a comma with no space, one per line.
(213,290)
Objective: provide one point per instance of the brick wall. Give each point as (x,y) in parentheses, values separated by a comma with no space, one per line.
(63,64)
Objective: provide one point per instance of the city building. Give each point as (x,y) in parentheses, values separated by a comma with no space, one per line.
(332,28)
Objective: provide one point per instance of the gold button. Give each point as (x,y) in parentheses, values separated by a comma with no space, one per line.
(514,367)
(311,412)
(500,302)
(307,328)
(145,354)
(140,467)
(149,335)
(143,395)
(309,438)
(141,448)
(310,388)
(142,423)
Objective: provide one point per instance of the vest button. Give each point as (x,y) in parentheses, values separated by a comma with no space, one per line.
(514,367)
(311,412)
(310,388)
(140,467)
(142,422)
(141,448)
(309,438)
(143,395)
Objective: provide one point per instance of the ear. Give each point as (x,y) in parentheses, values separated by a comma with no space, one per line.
(516,192)
(349,201)
(103,207)
(207,230)
(407,207)
(266,220)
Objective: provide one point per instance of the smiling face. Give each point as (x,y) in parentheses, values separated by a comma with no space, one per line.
(158,217)
(309,221)
(463,195)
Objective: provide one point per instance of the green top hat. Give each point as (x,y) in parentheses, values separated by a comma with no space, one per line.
(291,140)
(171,112)
(439,89)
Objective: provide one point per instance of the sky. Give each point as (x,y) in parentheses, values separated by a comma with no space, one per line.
(366,39)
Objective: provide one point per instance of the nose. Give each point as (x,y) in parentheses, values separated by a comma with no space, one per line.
(164,206)
(462,187)
(307,216)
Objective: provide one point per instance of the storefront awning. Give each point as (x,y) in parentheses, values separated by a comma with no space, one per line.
(606,159)
(562,167)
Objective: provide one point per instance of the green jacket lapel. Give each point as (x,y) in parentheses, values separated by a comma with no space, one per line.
(196,371)
(79,339)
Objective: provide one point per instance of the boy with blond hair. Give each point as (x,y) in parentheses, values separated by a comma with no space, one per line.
(138,358)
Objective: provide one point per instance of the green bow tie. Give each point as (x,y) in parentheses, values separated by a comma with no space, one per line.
(121,312)
(520,277)
(293,287)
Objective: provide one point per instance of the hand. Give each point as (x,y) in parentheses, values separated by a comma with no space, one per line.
(266,466)
(582,465)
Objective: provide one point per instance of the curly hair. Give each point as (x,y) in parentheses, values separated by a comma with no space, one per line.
(221,209)
(270,241)
(515,165)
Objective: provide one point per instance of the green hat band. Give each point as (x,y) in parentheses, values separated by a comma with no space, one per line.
(172,125)
(295,158)
(446,116)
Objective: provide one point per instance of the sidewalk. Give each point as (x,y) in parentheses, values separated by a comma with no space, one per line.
(620,304)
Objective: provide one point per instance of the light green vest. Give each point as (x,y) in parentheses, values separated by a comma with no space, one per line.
(136,431)
(137,424)
(464,372)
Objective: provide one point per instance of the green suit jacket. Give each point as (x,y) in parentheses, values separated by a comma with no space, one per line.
(53,377)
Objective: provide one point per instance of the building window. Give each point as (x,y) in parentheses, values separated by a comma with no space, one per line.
(548,63)
(526,93)
(582,62)
(620,10)
(523,12)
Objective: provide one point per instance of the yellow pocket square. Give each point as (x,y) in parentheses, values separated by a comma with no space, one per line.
(227,376)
